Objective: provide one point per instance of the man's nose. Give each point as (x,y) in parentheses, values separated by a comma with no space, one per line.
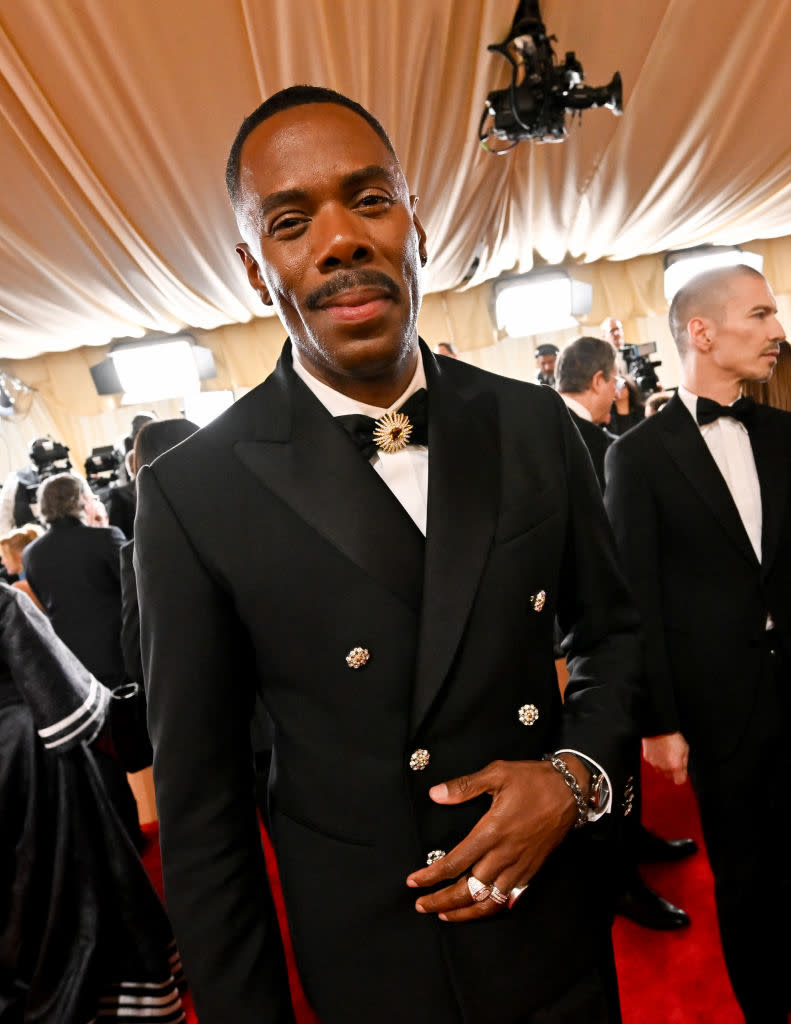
(341,239)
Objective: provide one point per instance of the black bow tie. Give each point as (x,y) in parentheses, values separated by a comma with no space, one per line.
(743,409)
(393,431)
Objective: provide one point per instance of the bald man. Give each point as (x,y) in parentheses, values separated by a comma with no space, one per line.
(700,498)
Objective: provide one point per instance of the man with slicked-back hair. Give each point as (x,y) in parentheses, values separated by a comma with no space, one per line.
(405,530)
(700,498)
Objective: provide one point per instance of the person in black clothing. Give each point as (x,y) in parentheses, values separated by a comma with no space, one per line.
(628,409)
(588,381)
(74,571)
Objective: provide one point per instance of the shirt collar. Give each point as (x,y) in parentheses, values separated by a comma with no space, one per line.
(578,408)
(338,404)
(690,400)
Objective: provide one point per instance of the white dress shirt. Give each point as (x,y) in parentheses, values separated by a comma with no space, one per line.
(582,411)
(404,472)
(729,443)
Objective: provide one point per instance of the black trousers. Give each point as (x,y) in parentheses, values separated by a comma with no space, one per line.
(744,814)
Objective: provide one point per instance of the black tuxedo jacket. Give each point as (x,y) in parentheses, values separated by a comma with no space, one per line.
(318,559)
(703,594)
(75,572)
(597,441)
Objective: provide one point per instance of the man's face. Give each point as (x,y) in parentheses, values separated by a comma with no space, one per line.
(546,365)
(332,240)
(612,331)
(604,392)
(745,339)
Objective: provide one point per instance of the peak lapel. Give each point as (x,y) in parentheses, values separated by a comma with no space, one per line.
(683,440)
(310,463)
(463,496)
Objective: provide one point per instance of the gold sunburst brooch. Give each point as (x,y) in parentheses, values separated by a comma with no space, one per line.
(391,433)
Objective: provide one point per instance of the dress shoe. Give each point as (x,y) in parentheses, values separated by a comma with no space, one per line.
(647,908)
(652,848)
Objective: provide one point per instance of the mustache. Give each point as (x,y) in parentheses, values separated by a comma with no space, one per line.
(346,280)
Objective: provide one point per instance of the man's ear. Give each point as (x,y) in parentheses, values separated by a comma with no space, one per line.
(598,380)
(253,272)
(421,233)
(699,331)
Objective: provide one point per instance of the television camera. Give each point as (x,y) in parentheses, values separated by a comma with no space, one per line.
(640,368)
(47,457)
(541,92)
(101,469)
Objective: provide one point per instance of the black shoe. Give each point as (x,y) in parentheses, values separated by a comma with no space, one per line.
(652,848)
(647,908)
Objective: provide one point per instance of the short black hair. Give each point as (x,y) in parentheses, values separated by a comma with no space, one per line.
(580,361)
(285,99)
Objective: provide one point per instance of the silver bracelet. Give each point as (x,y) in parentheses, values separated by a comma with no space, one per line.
(568,777)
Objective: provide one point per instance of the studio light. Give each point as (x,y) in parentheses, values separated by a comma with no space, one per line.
(543,300)
(154,368)
(683,265)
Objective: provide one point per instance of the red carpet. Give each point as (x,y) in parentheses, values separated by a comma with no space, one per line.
(674,977)
(665,977)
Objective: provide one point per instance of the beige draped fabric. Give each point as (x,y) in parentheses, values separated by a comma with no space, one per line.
(116,119)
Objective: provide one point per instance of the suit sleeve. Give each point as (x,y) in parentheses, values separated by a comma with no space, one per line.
(200,701)
(600,625)
(632,511)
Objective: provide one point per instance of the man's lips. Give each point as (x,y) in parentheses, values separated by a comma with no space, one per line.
(357,304)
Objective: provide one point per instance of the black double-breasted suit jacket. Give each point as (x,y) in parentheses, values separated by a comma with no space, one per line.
(703,593)
(318,558)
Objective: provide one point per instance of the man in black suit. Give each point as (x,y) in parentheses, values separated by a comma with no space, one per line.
(393,604)
(74,570)
(700,497)
(588,382)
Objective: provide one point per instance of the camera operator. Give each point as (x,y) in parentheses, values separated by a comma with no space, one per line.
(629,407)
(18,499)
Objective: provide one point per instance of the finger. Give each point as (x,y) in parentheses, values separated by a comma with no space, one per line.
(476,844)
(457,899)
(461,906)
(466,787)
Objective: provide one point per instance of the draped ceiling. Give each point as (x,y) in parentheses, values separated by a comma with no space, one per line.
(116,118)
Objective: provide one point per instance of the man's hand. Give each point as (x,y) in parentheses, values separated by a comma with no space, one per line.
(532,810)
(669,754)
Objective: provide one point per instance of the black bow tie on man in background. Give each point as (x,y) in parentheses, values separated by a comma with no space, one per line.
(743,409)
(393,431)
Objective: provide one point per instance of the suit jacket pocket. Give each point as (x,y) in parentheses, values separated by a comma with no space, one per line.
(517,523)
(335,837)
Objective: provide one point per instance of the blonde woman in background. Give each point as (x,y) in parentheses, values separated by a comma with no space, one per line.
(12,545)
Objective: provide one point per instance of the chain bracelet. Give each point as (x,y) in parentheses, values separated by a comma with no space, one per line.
(568,777)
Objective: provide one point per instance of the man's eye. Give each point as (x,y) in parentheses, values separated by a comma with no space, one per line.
(284,225)
(374,199)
